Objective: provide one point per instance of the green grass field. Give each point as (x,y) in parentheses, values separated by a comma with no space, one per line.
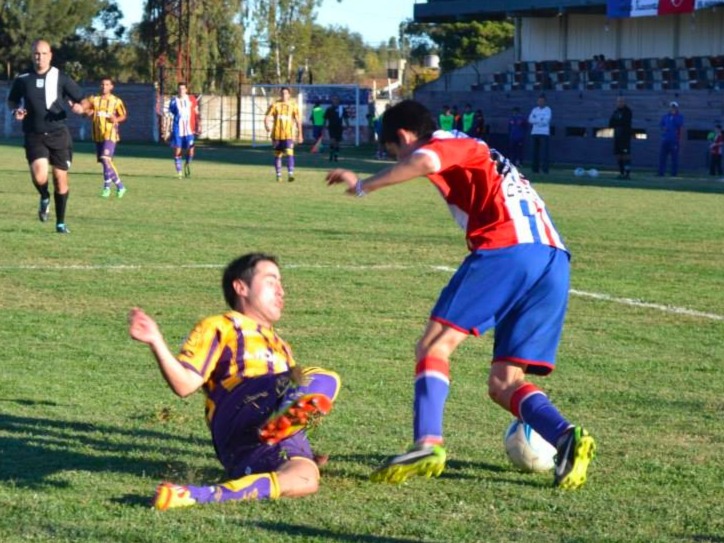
(88,426)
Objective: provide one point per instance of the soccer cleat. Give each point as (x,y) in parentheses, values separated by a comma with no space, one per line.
(294,417)
(44,209)
(106,192)
(61,229)
(420,460)
(291,178)
(187,170)
(575,452)
(121,192)
(279,178)
(171,496)
(179,175)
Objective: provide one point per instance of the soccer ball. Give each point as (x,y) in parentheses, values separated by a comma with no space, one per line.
(579,172)
(527,450)
(593,172)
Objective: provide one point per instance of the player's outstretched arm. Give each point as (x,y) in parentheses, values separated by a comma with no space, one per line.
(411,167)
(143,328)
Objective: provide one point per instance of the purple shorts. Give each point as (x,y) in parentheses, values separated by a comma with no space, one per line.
(521,291)
(236,423)
(283,146)
(105,149)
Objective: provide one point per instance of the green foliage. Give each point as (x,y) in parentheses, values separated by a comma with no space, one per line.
(460,43)
(88,427)
(336,54)
(24,21)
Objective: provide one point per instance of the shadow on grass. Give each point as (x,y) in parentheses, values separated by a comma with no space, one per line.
(35,449)
(313,533)
(455,470)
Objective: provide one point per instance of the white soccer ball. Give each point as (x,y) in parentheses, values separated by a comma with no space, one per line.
(527,450)
(579,172)
(593,172)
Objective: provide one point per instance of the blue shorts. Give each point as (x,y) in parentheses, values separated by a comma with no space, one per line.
(181,142)
(317,132)
(521,291)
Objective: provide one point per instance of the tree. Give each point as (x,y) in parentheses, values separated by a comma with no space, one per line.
(285,28)
(23,21)
(460,43)
(212,43)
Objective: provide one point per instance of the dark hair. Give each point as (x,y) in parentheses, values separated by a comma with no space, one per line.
(407,115)
(182,83)
(285,89)
(243,268)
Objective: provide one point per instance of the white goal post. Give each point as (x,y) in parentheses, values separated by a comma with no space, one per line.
(352,97)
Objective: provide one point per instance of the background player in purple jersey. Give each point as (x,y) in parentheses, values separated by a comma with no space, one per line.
(258,401)
(515,280)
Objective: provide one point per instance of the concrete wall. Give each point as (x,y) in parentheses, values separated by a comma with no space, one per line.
(588,111)
(140,102)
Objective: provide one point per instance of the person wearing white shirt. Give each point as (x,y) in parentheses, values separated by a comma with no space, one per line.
(540,131)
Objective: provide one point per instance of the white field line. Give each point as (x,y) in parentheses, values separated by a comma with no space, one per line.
(575,292)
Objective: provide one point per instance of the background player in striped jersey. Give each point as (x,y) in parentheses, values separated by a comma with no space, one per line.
(107,111)
(185,126)
(515,280)
(258,401)
(283,123)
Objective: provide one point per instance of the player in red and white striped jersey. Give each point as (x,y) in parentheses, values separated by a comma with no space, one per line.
(514,280)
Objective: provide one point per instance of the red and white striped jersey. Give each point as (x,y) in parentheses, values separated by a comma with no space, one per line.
(489,198)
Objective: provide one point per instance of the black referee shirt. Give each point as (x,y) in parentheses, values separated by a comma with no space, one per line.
(31,87)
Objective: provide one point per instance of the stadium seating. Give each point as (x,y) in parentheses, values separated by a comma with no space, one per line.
(624,74)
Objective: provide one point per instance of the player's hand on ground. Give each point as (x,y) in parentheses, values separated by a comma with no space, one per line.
(141,327)
(344,177)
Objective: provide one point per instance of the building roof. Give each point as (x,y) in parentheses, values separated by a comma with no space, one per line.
(450,11)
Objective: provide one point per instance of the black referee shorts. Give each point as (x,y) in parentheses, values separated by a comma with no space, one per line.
(56,146)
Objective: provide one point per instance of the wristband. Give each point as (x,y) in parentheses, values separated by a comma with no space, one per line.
(358,190)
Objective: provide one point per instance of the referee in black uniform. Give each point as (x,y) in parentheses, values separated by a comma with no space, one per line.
(37,99)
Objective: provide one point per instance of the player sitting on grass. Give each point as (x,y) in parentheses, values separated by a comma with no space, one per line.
(515,280)
(258,401)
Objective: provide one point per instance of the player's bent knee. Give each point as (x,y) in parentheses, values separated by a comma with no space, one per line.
(298,477)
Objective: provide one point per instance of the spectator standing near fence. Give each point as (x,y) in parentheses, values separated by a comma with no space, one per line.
(670,124)
(621,122)
(446,119)
(715,151)
(540,130)
(517,125)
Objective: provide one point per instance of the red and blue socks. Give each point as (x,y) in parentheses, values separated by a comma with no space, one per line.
(432,385)
(533,407)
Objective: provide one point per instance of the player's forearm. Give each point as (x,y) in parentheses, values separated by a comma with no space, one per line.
(182,381)
(410,168)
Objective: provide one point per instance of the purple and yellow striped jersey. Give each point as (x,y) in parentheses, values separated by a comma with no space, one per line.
(285,116)
(103,108)
(228,349)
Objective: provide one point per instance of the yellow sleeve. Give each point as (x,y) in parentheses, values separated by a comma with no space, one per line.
(200,352)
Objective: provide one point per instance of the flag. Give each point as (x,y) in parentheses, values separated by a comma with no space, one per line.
(674,7)
(618,9)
